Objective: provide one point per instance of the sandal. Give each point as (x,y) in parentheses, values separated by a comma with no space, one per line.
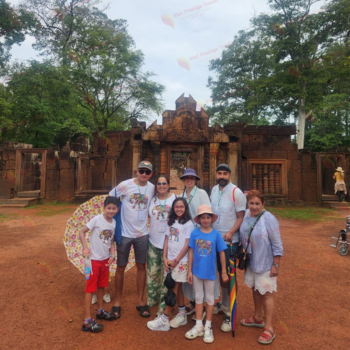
(112,315)
(190,310)
(143,311)
(105,315)
(248,323)
(268,337)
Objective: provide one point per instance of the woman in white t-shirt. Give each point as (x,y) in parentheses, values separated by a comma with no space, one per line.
(158,212)
(175,256)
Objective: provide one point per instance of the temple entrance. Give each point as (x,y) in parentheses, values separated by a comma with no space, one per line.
(179,162)
(30,173)
(327,163)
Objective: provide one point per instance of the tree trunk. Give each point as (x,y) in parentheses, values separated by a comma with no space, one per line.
(301,124)
(95,120)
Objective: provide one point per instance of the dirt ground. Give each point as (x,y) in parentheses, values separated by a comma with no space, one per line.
(42,293)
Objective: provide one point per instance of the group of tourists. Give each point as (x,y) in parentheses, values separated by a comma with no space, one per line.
(187,247)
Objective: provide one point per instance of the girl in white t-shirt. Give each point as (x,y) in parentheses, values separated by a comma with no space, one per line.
(175,256)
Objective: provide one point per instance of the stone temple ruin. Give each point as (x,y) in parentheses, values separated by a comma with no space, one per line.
(261,157)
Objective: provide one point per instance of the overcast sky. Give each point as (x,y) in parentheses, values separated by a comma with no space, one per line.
(178,38)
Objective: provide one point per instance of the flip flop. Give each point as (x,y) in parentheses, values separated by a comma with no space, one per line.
(112,315)
(142,310)
(248,323)
(268,338)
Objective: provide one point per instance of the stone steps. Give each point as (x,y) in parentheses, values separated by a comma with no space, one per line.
(29,194)
(18,202)
(338,205)
(330,197)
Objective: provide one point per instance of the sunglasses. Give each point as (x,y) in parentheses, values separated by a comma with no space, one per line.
(142,171)
(162,183)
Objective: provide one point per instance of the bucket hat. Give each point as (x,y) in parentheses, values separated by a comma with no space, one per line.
(204,209)
(339,169)
(190,172)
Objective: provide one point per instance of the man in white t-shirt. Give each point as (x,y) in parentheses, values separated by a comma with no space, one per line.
(136,196)
(229,203)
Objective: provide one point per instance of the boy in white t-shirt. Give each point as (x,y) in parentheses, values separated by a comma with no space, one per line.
(102,253)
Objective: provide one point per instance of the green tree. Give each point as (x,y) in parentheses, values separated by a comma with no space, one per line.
(287,49)
(14,25)
(42,108)
(240,92)
(100,59)
(299,41)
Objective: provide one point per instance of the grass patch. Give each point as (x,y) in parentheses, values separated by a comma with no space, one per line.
(50,209)
(305,214)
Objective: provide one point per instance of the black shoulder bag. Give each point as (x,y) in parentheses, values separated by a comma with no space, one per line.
(242,255)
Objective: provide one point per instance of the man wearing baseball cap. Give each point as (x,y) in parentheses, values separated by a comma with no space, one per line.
(229,203)
(136,195)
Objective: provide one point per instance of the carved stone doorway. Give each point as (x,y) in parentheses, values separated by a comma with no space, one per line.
(326,165)
(180,160)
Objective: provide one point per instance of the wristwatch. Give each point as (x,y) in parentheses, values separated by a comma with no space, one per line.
(276,265)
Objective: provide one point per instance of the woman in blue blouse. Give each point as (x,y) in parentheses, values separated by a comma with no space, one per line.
(265,251)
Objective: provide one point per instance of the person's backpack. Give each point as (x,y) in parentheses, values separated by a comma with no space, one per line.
(118,223)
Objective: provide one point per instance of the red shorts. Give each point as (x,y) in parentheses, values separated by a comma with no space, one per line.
(99,277)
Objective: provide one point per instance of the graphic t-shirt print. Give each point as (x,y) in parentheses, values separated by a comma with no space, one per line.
(139,201)
(157,210)
(203,247)
(106,236)
(174,234)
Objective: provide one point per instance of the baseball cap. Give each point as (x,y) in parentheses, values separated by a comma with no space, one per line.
(223,167)
(145,164)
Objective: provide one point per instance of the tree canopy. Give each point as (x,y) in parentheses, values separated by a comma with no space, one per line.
(90,80)
(294,64)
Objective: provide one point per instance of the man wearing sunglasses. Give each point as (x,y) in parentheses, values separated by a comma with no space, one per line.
(136,195)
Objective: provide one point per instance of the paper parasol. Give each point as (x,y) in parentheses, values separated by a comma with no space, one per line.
(84,213)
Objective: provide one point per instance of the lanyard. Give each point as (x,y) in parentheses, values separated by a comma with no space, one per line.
(220,193)
(163,206)
(142,195)
(192,196)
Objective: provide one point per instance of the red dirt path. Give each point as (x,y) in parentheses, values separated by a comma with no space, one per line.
(42,294)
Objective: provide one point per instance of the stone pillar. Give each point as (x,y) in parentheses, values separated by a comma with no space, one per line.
(156,157)
(214,148)
(232,161)
(136,155)
(163,160)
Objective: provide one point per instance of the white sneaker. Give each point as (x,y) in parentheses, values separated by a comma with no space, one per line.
(208,335)
(194,316)
(219,307)
(107,298)
(94,299)
(195,332)
(226,325)
(158,325)
(178,320)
